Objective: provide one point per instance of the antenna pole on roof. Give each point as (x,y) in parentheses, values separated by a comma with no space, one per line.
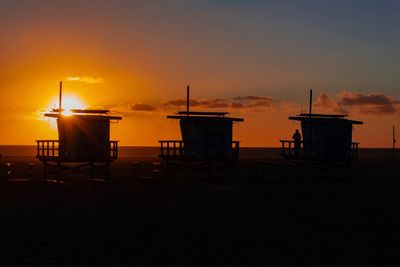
(394,143)
(310,108)
(187,99)
(60,98)
(187,145)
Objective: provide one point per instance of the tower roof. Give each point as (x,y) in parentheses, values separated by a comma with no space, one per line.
(202,115)
(338,118)
(91,113)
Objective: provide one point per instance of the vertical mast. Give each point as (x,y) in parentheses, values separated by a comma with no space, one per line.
(187,144)
(187,100)
(310,107)
(60,99)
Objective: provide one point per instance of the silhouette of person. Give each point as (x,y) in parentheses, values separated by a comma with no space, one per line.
(297,142)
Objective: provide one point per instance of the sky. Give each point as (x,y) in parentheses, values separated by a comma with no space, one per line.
(255,59)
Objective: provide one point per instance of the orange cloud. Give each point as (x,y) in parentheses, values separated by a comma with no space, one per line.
(85,79)
(143,107)
(240,102)
(251,103)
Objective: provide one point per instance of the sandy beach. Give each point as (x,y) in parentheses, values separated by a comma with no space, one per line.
(267,212)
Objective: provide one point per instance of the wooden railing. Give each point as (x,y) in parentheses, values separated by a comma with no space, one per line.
(176,149)
(50,149)
(354,151)
(113,150)
(172,148)
(235,149)
(289,150)
(47,148)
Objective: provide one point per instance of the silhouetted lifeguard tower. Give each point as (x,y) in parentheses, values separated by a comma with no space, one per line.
(83,143)
(326,137)
(206,137)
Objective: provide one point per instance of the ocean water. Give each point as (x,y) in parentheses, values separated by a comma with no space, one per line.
(124,151)
(153,152)
(137,152)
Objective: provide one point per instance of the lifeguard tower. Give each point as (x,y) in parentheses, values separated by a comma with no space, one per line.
(326,137)
(83,143)
(206,138)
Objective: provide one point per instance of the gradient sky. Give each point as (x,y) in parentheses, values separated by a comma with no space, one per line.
(256,59)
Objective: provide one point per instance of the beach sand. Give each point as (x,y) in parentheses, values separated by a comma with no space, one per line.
(265,212)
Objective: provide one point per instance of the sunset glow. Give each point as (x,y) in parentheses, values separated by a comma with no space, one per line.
(254,59)
(199,132)
(68,102)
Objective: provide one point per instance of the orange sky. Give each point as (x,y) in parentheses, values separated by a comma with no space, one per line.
(142,55)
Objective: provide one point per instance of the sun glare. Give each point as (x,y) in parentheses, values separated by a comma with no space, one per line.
(69,102)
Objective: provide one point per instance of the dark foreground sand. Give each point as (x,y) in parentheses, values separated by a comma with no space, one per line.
(265,213)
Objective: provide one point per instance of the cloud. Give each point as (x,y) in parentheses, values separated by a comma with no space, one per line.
(354,102)
(239,102)
(175,102)
(343,103)
(375,103)
(210,103)
(251,101)
(143,107)
(325,102)
(252,97)
(248,103)
(85,79)
(127,109)
(215,103)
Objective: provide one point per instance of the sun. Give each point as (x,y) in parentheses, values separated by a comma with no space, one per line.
(69,102)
